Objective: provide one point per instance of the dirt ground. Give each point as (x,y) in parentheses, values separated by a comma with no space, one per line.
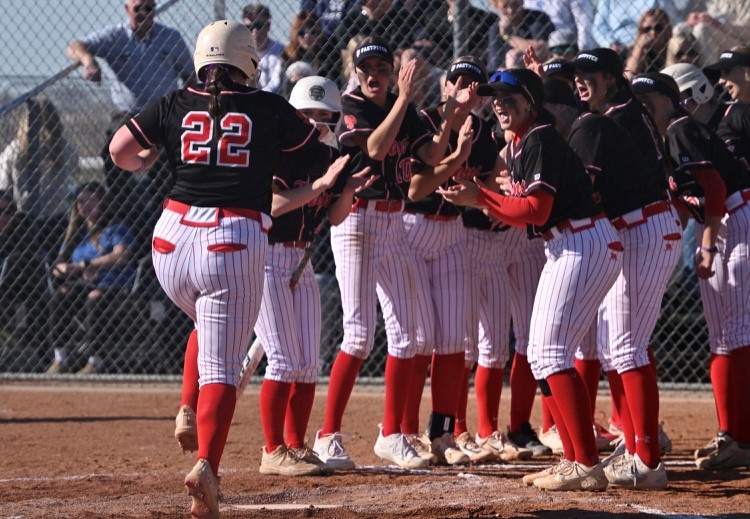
(85,451)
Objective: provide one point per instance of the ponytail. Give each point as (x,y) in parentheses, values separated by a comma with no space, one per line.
(214,75)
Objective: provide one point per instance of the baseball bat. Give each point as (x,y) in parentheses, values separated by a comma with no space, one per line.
(301,267)
(250,364)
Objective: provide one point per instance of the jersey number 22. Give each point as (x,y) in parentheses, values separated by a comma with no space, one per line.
(236,132)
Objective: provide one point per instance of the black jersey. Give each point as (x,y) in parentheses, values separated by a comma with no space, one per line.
(691,146)
(622,178)
(229,162)
(734,130)
(481,161)
(361,117)
(631,115)
(301,224)
(543,160)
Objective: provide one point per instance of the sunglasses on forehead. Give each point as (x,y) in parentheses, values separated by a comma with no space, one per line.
(508,78)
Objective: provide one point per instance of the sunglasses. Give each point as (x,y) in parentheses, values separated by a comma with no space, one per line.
(563,49)
(145,8)
(258,25)
(306,32)
(648,28)
(687,53)
(508,78)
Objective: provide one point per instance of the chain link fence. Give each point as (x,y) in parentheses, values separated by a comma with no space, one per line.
(53,144)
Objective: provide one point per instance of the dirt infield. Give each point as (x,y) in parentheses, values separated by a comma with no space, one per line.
(107,451)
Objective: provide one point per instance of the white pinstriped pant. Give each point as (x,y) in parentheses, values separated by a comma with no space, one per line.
(726,297)
(373,259)
(631,308)
(289,319)
(581,268)
(442,284)
(505,268)
(215,275)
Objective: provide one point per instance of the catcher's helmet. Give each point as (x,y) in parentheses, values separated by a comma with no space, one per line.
(688,76)
(316,92)
(226,42)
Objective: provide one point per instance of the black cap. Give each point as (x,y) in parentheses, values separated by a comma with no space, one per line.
(373,48)
(466,67)
(558,92)
(656,82)
(559,67)
(729,59)
(599,60)
(515,81)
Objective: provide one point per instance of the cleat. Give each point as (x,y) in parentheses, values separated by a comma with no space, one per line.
(502,447)
(422,449)
(529,479)
(468,446)
(283,462)
(551,439)
(571,475)
(527,439)
(713,445)
(329,448)
(396,449)
(728,456)
(185,429)
(203,487)
(630,472)
(447,452)
(665,444)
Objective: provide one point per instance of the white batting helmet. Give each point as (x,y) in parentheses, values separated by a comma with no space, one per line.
(688,76)
(227,42)
(316,92)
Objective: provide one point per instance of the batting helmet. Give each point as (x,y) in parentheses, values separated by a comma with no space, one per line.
(688,76)
(316,92)
(226,42)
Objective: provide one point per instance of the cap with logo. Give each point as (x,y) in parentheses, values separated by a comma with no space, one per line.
(656,82)
(515,81)
(599,60)
(559,67)
(466,67)
(731,58)
(373,48)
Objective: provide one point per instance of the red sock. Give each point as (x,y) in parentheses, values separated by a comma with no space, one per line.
(548,403)
(614,418)
(340,385)
(274,399)
(589,371)
(488,385)
(214,416)
(621,404)
(652,361)
(190,373)
(548,420)
(410,420)
(298,411)
(569,393)
(445,382)
(722,385)
(643,404)
(463,404)
(740,367)
(397,371)
(523,388)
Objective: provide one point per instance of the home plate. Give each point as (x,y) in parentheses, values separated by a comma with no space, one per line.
(283,506)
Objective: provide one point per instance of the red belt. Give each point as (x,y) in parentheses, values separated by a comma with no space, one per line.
(744,198)
(581,224)
(293,244)
(383,206)
(180,208)
(639,216)
(437,217)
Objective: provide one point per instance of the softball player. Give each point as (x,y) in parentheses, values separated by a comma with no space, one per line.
(372,257)
(651,236)
(209,245)
(289,320)
(551,196)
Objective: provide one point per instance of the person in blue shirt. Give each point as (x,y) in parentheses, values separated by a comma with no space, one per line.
(329,12)
(90,274)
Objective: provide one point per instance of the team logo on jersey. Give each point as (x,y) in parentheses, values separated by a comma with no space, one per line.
(398,147)
(317,92)
(468,172)
(518,188)
(684,159)
(350,121)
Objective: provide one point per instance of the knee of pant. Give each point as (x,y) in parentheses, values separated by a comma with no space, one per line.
(719,347)
(450,349)
(606,365)
(279,373)
(308,375)
(495,360)
(522,348)
(470,357)
(630,359)
(361,351)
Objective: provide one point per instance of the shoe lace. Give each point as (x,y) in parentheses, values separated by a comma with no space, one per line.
(564,468)
(335,446)
(415,443)
(402,448)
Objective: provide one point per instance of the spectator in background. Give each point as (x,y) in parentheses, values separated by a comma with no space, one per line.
(292,74)
(517,30)
(306,40)
(91,271)
(616,22)
(426,84)
(683,47)
(147,60)
(349,75)
(576,16)
(329,12)
(257,18)
(37,166)
(722,25)
(562,44)
(649,54)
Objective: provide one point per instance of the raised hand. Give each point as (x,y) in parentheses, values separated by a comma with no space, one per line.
(463,192)
(360,180)
(465,137)
(532,62)
(328,180)
(406,79)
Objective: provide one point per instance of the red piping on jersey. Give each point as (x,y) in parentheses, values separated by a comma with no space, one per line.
(618,107)
(517,136)
(287,150)
(355,97)
(515,152)
(676,121)
(714,188)
(222,92)
(140,130)
(281,181)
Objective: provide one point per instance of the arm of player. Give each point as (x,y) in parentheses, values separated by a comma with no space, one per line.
(340,209)
(426,181)
(715,195)
(291,199)
(128,154)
